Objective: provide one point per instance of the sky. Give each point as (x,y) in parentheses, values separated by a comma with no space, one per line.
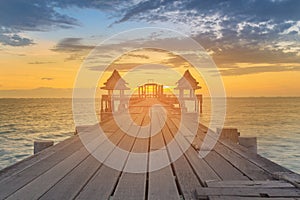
(254,43)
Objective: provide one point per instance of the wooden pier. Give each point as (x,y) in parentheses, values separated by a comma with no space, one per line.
(68,171)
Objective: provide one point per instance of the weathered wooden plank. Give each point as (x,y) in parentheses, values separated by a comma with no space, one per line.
(187,179)
(246,167)
(78,177)
(223,168)
(101,185)
(104,181)
(260,161)
(74,181)
(33,175)
(250,184)
(133,185)
(16,181)
(39,186)
(31,160)
(162,183)
(291,177)
(247,198)
(249,192)
(201,168)
(42,183)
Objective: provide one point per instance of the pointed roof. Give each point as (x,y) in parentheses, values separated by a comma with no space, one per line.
(187,81)
(115,82)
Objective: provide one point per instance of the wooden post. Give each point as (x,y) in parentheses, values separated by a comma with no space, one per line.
(40,145)
(139,91)
(101,104)
(231,134)
(201,100)
(249,142)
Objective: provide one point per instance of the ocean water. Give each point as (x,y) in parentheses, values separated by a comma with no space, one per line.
(274,121)
(24,120)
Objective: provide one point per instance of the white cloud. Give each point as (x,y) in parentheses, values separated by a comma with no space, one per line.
(260,28)
(294,28)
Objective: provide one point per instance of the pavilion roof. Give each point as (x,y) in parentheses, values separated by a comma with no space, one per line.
(115,82)
(187,81)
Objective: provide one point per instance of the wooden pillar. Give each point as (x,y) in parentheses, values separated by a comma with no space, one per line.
(231,134)
(112,104)
(147,91)
(159,90)
(180,93)
(40,145)
(139,91)
(191,93)
(249,142)
(201,100)
(153,86)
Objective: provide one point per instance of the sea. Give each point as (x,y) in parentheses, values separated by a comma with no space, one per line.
(275,121)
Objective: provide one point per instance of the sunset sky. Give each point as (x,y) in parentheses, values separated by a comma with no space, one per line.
(255,44)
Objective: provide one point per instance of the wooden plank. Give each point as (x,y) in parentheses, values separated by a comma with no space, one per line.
(246,167)
(31,160)
(223,168)
(187,179)
(251,184)
(104,181)
(42,183)
(101,185)
(249,192)
(162,183)
(128,181)
(247,198)
(16,181)
(258,160)
(97,187)
(203,171)
(291,177)
(39,186)
(34,175)
(133,185)
(74,181)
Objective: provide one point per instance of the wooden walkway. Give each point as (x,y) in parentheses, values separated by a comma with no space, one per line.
(68,171)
